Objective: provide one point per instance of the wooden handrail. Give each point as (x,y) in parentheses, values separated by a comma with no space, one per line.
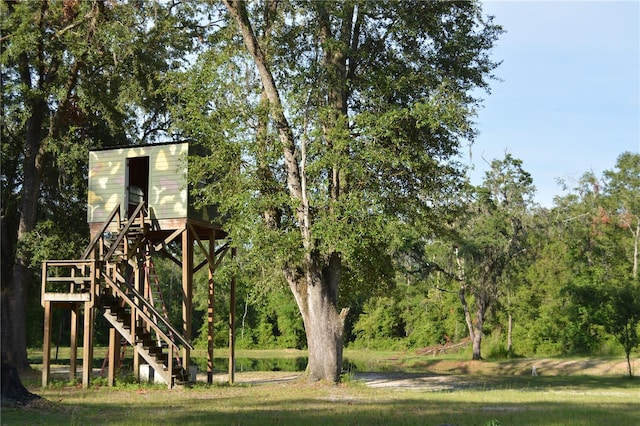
(160,317)
(124,230)
(66,262)
(103,228)
(144,316)
(148,305)
(80,264)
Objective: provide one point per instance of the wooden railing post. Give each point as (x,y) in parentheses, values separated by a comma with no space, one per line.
(134,333)
(211,309)
(87,353)
(46,346)
(73,346)
(114,350)
(232,325)
(170,366)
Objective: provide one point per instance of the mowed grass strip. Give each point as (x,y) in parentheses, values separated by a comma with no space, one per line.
(276,399)
(414,390)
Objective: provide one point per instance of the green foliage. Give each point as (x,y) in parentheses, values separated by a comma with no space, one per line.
(279,324)
(384,188)
(409,317)
(52,240)
(584,262)
(380,325)
(75,75)
(492,244)
(621,316)
(393,159)
(431,316)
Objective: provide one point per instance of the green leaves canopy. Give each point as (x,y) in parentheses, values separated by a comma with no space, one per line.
(404,89)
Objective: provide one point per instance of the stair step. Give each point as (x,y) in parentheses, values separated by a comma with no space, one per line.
(177,368)
(147,341)
(143,334)
(126,322)
(152,346)
(108,301)
(182,377)
(115,311)
(120,312)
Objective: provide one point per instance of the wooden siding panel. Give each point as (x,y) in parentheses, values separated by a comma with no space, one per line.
(106,183)
(168,194)
(168,181)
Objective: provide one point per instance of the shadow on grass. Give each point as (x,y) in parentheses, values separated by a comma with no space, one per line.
(353,408)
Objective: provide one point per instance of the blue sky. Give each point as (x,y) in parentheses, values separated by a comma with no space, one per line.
(569,101)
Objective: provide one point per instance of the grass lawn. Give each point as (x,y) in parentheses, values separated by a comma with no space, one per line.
(488,393)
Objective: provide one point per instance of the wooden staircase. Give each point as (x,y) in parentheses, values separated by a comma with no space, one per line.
(156,350)
(98,280)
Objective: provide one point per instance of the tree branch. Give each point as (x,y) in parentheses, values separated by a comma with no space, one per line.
(239,12)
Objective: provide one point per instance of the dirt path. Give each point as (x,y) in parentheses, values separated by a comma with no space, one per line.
(415,381)
(442,374)
(449,375)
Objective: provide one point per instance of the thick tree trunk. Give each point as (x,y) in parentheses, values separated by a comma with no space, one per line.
(316,296)
(13,391)
(16,301)
(7,328)
(324,337)
(315,283)
(7,232)
(477,339)
(17,289)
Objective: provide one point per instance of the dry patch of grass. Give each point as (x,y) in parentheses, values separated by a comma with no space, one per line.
(544,366)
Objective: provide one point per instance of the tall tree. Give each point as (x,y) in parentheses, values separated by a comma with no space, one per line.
(365,106)
(492,240)
(617,225)
(600,224)
(622,186)
(620,315)
(74,74)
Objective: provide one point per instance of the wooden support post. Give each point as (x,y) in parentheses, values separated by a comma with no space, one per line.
(117,359)
(46,346)
(187,292)
(114,351)
(211,309)
(232,325)
(134,346)
(87,353)
(73,344)
(134,316)
(170,367)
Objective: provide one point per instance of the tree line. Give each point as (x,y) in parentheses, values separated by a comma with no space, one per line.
(334,130)
(529,280)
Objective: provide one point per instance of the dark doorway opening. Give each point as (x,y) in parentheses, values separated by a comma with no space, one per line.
(137,183)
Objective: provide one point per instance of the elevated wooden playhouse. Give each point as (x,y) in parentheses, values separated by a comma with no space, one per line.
(139,204)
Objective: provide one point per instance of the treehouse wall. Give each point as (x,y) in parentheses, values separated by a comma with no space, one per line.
(156,172)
